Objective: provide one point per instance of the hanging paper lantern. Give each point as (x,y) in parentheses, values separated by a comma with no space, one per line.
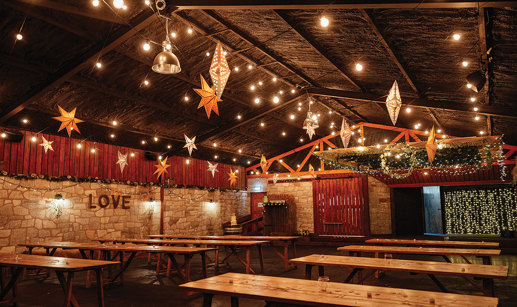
(310,123)
(393,102)
(232,177)
(219,70)
(345,133)
(209,99)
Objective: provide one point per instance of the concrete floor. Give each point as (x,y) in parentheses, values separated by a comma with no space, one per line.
(142,287)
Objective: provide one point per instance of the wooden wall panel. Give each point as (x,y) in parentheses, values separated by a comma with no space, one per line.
(27,157)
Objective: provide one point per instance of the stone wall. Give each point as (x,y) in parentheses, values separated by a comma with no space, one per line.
(28,216)
(302,192)
(379,197)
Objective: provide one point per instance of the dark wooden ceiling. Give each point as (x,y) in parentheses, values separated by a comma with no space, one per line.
(54,65)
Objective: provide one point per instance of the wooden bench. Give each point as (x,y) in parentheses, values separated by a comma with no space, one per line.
(444,243)
(113,251)
(485,254)
(274,241)
(486,272)
(231,244)
(315,293)
(60,265)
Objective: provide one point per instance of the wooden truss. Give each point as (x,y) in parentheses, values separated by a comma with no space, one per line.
(409,135)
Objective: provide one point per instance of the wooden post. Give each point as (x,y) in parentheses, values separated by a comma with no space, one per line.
(162,207)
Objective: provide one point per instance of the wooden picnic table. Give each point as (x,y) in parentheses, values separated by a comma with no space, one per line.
(60,265)
(486,272)
(274,241)
(316,293)
(485,254)
(231,244)
(445,243)
(87,252)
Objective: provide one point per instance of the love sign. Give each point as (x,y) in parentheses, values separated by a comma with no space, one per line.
(103,201)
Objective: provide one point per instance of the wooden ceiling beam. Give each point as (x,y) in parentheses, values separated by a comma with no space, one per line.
(304,35)
(78,64)
(421,103)
(335,4)
(102,13)
(485,62)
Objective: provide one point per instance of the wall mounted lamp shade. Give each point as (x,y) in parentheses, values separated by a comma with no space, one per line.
(477,79)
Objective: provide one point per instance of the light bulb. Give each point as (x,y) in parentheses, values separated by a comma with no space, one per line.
(236,68)
(114,123)
(19,36)
(481,132)
(186,98)
(112,136)
(324,21)
(281,92)
(147,2)
(95,3)
(118,3)
(456,36)
(216,156)
(262,124)
(79,146)
(239,116)
(214,144)
(124,7)
(252,87)
(234,159)
(34,139)
(25,121)
(240,150)
(260,83)
(92,150)
(190,31)
(291,116)
(408,110)
(187,161)
(169,146)
(207,53)
(299,108)
(283,133)
(248,162)
(250,66)
(132,154)
(146,46)
(143,142)
(477,117)
(293,91)
(146,82)
(173,34)
(358,67)
(476,109)
(274,79)
(465,63)
(276,99)
(155,139)
(168,46)
(472,99)
(159,157)
(301,140)
(257,100)
(98,64)
(469,85)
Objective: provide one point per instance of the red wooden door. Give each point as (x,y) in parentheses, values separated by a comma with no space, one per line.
(341,206)
(256,198)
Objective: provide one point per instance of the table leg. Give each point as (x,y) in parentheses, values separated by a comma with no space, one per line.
(188,260)
(234,301)
(168,272)
(203,262)
(100,287)
(216,263)
(488,287)
(66,285)
(158,263)
(207,299)
(321,270)
(121,259)
(351,275)
(294,249)
(308,271)
(487,260)
(261,258)
(248,259)
(438,283)
(12,282)
(286,257)
(123,266)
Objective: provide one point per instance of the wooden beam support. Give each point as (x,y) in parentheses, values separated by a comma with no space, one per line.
(102,14)
(335,4)
(420,103)
(76,65)
(485,62)
(317,48)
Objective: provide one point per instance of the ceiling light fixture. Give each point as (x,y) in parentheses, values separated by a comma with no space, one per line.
(165,62)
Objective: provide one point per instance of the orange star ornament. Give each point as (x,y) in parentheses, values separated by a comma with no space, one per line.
(68,121)
(209,98)
(431,146)
(161,168)
(263,163)
(232,177)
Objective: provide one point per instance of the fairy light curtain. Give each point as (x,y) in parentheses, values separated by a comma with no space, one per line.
(480,210)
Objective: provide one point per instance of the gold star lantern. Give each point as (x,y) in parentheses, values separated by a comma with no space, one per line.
(232,177)
(209,99)
(345,133)
(393,102)
(431,146)
(68,121)
(219,70)
(161,168)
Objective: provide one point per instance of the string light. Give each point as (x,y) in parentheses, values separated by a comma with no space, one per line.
(236,68)
(146,82)
(283,133)
(187,161)
(293,91)
(216,157)
(34,139)
(92,150)
(358,67)
(114,123)
(214,144)
(190,31)
(274,79)
(476,109)
(147,2)
(25,121)
(239,116)
(465,63)
(324,22)
(95,3)
(132,154)
(385,140)
(472,99)
(98,65)
(155,139)
(481,132)
(252,87)
(260,83)
(469,85)
(118,3)
(146,46)
(477,117)
(301,140)
(207,53)
(262,124)
(299,108)
(186,98)
(234,159)
(439,130)
(173,34)
(169,146)
(408,110)
(276,99)
(257,100)
(240,150)
(19,36)
(159,157)
(456,36)
(79,145)
(143,142)
(250,67)
(281,92)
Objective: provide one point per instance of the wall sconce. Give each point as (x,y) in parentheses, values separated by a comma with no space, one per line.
(57,203)
(150,205)
(211,207)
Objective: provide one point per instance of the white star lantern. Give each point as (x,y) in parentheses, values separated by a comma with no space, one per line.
(345,133)
(393,102)
(212,168)
(190,144)
(122,161)
(46,144)
(219,70)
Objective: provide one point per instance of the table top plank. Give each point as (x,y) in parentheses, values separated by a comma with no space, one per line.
(420,250)
(51,262)
(119,247)
(401,265)
(309,292)
(471,244)
(188,241)
(227,237)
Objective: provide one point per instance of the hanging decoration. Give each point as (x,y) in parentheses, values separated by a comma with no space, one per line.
(311,170)
(46,144)
(263,163)
(232,177)
(209,99)
(165,62)
(275,178)
(310,123)
(161,168)
(345,133)
(431,146)
(190,144)
(212,168)
(458,155)
(122,161)
(68,121)
(394,102)
(219,70)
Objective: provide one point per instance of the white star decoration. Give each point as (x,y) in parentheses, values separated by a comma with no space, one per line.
(46,144)
(310,131)
(190,144)
(122,161)
(393,102)
(212,168)
(345,133)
